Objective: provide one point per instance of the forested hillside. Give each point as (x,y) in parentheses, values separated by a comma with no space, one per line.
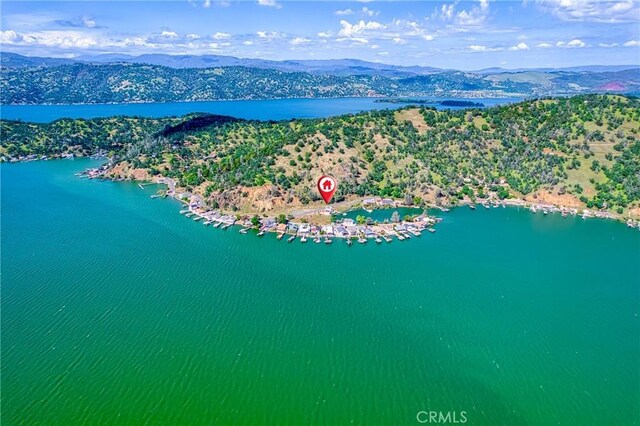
(583,150)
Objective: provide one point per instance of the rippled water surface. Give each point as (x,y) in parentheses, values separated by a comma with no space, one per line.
(117,309)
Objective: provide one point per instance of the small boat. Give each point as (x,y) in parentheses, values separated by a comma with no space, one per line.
(416,233)
(303,239)
(317,240)
(387,239)
(564,214)
(545,211)
(184,211)
(486,206)
(207,222)
(349,242)
(432,230)
(244,230)
(280,236)
(400,237)
(197,218)
(327,240)
(226,226)
(378,240)
(189,214)
(261,233)
(362,240)
(291,238)
(407,236)
(217,224)
(472,206)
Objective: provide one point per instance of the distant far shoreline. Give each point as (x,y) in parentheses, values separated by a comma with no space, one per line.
(445,103)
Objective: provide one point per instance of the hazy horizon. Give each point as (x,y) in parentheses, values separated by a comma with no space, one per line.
(465,35)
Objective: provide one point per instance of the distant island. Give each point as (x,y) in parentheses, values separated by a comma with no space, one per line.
(450,103)
(579,153)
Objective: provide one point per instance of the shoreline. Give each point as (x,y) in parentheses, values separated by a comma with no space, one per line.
(204,212)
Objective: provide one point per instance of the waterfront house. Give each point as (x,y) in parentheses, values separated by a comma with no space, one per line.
(327,229)
(340,231)
(348,222)
(268,223)
(304,228)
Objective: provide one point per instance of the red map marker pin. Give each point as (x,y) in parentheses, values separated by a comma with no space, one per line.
(327,186)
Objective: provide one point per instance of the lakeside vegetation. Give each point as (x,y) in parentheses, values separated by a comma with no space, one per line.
(579,151)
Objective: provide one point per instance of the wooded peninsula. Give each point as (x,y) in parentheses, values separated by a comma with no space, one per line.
(579,152)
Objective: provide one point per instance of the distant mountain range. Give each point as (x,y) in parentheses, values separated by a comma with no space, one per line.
(165,78)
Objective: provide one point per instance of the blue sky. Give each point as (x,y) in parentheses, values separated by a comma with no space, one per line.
(463,35)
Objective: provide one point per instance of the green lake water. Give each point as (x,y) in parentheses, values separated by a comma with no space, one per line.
(118,310)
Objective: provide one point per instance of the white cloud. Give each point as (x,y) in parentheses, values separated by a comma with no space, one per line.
(220,36)
(193,36)
(474,17)
(169,34)
(482,48)
(361,40)
(299,40)
(344,12)
(349,30)
(427,37)
(59,39)
(446,11)
(607,45)
(383,53)
(324,34)
(8,37)
(398,40)
(632,43)
(592,10)
(247,43)
(369,12)
(269,34)
(478,48)
(269,3)
(544,45)
(520,46)
(576,43)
